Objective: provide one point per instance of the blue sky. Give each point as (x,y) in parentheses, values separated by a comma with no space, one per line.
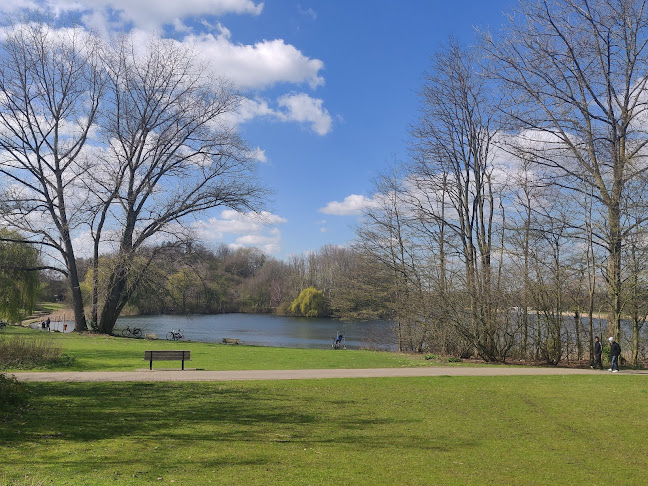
(332,88)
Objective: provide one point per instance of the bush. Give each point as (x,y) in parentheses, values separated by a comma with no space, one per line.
(12,392)
(22,353)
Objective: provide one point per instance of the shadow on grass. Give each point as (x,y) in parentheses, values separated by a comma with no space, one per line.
(206,412)
(154,428)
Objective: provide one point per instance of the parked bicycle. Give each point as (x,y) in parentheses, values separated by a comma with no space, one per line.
(134,332)
(174,335)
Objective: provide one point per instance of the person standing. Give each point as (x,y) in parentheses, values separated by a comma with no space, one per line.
(598,351)
(615,352)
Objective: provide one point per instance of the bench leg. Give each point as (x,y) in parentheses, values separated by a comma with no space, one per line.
(182,364)
(151,365)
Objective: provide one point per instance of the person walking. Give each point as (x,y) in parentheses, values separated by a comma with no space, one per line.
(615,352)
(598,351)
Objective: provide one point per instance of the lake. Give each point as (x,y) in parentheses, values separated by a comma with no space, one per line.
(269,330)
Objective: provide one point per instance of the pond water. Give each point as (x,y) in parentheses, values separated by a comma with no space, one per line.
(268,330)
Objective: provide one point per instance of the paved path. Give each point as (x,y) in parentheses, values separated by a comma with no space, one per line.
(243,375)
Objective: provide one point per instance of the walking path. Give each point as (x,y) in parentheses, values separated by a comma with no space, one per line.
(244,375)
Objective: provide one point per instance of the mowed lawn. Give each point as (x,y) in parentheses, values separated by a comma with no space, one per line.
(410,431)
(93,352)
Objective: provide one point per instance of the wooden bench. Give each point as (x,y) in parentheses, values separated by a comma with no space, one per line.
(151,356)
(231,341)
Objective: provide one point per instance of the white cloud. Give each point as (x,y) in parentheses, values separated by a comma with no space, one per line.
(351,206)
(299,107)
(12,6)
(257,66)
(251,229)
(149,16)
(302,108)
(258,154)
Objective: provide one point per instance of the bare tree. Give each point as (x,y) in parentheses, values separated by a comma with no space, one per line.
(454,160)
(576,72)
(50,92)
(173,150)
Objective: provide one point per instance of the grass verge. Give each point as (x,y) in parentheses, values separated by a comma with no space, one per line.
(443,430)
(94,352)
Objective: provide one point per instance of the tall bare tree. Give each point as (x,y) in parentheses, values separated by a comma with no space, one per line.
(50,92)
(174,153)
(576,72)
(453,156)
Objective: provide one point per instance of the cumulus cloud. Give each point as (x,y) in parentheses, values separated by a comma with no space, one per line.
(295,107)
(257,66)
(351,206)
(143,14)
(301,107)
(249,229)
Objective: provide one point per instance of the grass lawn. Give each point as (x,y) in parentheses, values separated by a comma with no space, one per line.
(406,431)
(93,352)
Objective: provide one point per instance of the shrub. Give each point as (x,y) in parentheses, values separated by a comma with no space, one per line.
(431,356)
(23,353)
(12,392)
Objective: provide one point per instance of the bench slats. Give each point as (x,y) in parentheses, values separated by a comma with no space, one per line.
(167,355)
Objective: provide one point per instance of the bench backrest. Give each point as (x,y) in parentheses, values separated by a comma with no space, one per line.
(167,355)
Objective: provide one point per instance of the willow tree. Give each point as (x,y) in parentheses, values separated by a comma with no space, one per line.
(19,265)
(576,73)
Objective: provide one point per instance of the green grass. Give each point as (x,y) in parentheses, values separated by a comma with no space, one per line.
(444,430)
(93,352)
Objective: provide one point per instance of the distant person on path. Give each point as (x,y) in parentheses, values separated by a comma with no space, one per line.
(598,350)
(615,351)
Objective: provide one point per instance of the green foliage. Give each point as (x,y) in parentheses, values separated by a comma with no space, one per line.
(12,392)
(310,303)
(18,288)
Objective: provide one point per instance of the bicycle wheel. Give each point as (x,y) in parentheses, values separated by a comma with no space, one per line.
(125,332)
(170,336)
(137,333)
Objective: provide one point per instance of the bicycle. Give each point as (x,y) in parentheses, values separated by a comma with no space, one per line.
(339,341)
(174,335)
(132,332)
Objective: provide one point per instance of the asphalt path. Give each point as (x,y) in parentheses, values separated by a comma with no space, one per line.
(247,375)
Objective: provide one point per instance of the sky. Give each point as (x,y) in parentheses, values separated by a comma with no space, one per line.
(331,91)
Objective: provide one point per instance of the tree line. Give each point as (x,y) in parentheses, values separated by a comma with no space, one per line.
(522,207)
(200,280)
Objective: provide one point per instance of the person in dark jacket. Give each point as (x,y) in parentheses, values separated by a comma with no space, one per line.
(615,351)
(598,350)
